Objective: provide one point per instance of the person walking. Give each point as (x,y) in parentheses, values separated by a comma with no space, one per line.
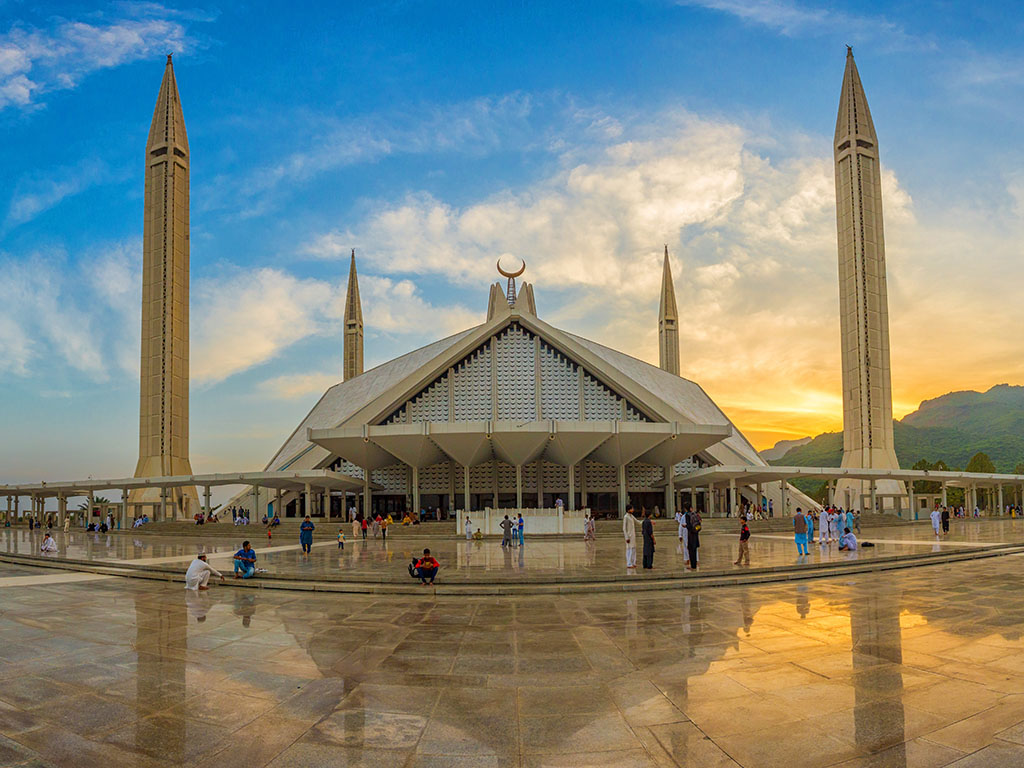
(936,517)
(356,528)
(945,520)
(799,532)
(341,538)
(693,525)
(364,526)
(67,523)
(506,532)
(629,533)
(384,528)
(647,529)
(306,535)
(744,553)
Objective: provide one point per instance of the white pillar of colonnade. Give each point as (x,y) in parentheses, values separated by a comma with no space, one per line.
(1000,498)
(465,488)
(732,497)
(784,488)
(670,493)
(572,487)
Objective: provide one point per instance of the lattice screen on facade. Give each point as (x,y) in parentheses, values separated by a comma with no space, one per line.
(472,386)
(644,477)
(434,479)
(506,477)
(601,477)
(516,375)
(480,478)
(559,386)
(687,466)
(348,468)
(529,478)
(393,479)
(431,404)
(556,478)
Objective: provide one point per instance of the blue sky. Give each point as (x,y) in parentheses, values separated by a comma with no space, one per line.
(435,137)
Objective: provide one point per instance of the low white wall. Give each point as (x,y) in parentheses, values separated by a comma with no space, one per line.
(536,521)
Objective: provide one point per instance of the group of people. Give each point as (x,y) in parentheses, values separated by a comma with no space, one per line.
(511,531)
(629,522)
(202,519)
(378,526)
(140,520)
(834,525)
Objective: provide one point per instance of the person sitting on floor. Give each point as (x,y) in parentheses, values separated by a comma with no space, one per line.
(424,568)
(847,542)
(48,545)
(478,536)
(245,562)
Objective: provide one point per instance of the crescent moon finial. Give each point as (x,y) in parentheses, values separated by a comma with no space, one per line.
(503,273)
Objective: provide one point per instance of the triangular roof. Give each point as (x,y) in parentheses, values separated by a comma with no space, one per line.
(371,397)
(168,126)
(854,118)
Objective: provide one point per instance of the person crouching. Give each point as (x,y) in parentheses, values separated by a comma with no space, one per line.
(425,568)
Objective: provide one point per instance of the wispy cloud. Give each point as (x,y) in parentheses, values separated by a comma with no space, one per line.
(39,192)
(797,19)
(35,61)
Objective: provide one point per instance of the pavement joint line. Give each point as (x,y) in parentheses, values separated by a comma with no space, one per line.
(626,584)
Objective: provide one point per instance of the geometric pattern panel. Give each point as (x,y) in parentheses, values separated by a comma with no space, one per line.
(601,476)
(435,478)
(559,386)
(555,476)
(472,386)
(640,476)
(393,479)
(599,402)
(516,375)
(529,477)
(481,478)
(431,404)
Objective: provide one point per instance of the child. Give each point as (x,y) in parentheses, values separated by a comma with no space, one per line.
(744,545)
(269,534)
(341,538)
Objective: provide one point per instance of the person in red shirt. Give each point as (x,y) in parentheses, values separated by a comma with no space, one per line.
(424,568)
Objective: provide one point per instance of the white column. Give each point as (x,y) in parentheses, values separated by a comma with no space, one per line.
(416,488)
(910,499)
(784,487)
(124,508)
(307,510)
(874,505)
(831,485)
(670,493)
(1000,498)
(519,487)
(711,500)
(326,511)
(732,497)
(584,501)
(465,488)
(206,496)
(760,497)
(622,491)
(540,482)
(943,493)
(572,487)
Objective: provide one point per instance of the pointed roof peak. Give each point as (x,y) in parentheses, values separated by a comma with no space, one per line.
(353,306)
(854,118)
(849,51)
(667,308)
(168,126)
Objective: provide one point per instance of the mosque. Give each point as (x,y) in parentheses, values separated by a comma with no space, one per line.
(513,413)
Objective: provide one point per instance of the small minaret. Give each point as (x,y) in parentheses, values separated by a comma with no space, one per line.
(668,322)
(353,324)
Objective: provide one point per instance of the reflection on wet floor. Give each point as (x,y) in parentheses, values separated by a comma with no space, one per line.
(468,560)
(919,667)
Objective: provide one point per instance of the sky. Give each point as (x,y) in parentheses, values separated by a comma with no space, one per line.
(434,137)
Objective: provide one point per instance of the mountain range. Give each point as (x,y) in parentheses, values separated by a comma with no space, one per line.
(951,428)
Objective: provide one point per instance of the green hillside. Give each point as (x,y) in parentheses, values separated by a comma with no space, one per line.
(951,428)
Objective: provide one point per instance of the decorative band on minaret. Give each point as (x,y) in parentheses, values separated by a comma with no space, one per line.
(164,381)
(863,296)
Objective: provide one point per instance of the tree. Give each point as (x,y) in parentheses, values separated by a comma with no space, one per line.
(980,462)
(97,500)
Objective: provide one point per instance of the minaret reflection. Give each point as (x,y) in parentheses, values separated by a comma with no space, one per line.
(878,715)
(161,637)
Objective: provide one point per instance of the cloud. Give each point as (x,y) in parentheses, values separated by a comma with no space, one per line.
(299,386)
(36,61)
(795,19)
(247,318)
(37,193)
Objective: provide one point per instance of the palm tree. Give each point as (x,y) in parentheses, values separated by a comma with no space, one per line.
(84,506)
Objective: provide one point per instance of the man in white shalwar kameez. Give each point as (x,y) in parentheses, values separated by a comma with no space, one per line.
(48,545)
(936,517)
(629,534)
(823,526)
(198,574)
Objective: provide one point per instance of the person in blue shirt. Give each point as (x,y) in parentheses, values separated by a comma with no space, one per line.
(810,526)
(306,534)
(519,528)
(245,562)
(849,519)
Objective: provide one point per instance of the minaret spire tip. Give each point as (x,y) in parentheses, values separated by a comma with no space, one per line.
(169,58)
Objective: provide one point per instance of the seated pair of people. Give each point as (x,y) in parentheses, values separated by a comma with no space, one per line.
(425,569)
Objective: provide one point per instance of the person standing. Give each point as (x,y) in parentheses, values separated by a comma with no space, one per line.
(306,535)
(629,533)
(799,532)
(469,528)
(341,538)
(384,529)
(693,525)
(506,532)
(520,524)
(647,529)
(744,553)
(356,528)
(67,523)
(809,517)
(364,526)
(589,528)
(823,526)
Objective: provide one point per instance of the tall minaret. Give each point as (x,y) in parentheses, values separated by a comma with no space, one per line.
(668,322)
(353,324)
(863,302)
(163,411)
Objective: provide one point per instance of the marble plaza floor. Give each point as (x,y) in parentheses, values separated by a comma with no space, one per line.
(462,561)
(919,667)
